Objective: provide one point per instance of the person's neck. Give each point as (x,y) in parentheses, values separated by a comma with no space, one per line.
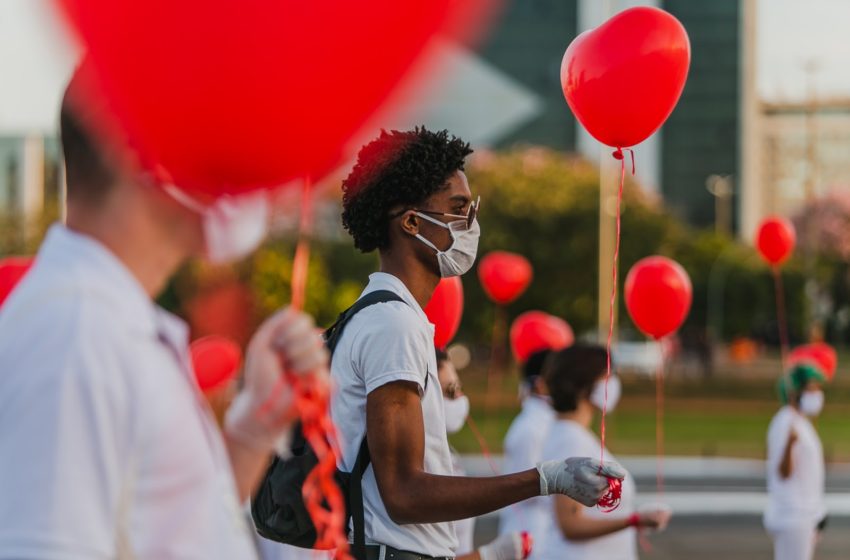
(582,415)
(136,241)
(419,280)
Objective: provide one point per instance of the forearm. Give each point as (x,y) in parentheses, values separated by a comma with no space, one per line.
(427,498)
(248,466)
(474,555)
(582,528)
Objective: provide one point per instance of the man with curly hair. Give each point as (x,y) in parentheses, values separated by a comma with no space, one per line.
(408,198)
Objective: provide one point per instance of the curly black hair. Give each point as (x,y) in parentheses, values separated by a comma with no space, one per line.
(396,169)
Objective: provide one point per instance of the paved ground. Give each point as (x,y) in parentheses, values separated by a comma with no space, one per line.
(730,537)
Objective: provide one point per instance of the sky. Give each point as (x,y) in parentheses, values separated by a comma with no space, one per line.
(36,57)
(794,32)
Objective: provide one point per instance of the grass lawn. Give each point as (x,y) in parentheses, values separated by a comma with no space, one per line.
(717,418)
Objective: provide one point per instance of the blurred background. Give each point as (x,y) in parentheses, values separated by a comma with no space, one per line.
(763,127)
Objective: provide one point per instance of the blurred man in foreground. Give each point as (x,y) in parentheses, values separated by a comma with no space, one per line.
(109,450)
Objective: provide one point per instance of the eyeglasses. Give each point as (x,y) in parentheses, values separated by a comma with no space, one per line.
(470,216)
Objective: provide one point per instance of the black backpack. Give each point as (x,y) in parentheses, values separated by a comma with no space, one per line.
(278,506)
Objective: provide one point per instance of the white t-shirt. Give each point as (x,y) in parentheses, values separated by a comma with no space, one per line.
(108,447)
(523,449)
(798,500)
(570,439)
(381,344)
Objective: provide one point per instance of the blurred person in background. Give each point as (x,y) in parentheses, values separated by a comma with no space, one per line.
(523,446)
(109,449)
(796,506)
(508,546)
(575,377)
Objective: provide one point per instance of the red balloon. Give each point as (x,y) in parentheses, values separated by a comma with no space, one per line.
(216,360)
(775,239)
(12,271)
(820,354)
(534,331)
(224,96)
(623,78)
(504,276)
(658,295)
(445,310)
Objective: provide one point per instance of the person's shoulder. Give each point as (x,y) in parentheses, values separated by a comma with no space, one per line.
(390,318)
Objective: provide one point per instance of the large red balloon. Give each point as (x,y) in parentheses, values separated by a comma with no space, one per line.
(12,271)
(216,360)
(658,295)
(224,96)
(623,78)
(820,354)
(504,276)
(534,331)
(445,310)
(775,239)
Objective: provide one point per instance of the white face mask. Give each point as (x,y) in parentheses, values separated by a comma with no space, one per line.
(459,258)
(457,410)
(615,389)
(811,403)
(233,225)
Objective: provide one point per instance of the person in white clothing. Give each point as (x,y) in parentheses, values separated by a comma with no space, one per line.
(408,198)
(109,449)
(523,447)
(796,506)
(509,546)
(575,377)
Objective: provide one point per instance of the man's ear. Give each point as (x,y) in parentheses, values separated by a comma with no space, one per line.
(410,222)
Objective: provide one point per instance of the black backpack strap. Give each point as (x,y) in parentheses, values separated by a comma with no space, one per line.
(334,332)
(355,490)
(355,501)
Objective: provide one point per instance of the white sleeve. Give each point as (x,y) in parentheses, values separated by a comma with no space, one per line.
(65,444)
(777,439)
(391,346)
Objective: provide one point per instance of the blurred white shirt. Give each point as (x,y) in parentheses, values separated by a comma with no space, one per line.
(523,448)
(798,501)
(571,439)
(109,449)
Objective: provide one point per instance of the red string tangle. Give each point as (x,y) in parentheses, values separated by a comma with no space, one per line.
(611,500)
(322,497)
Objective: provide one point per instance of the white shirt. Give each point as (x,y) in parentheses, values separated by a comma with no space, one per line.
(384,343)
(799,500)
(570,439)
(464,528)
(523,449)
(109,450)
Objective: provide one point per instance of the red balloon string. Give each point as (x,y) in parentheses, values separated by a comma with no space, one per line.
(482,443)
(659,427)
(322,497)
(609,498)
(780,315)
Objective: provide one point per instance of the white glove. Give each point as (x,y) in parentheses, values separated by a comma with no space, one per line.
(262,415)
(505,547)
(583,479)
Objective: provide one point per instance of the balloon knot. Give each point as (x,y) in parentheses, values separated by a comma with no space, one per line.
(618,154)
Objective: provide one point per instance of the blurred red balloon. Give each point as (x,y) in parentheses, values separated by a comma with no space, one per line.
(775,239)
(658,295)
(504,276)
(623,78)
(820,354)
(218,96)
(216,360)
(12,271)
(445,310)
(534,331)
